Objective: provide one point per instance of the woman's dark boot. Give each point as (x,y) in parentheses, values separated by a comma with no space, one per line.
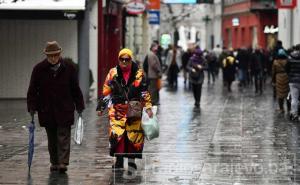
(131,166)
(119,163)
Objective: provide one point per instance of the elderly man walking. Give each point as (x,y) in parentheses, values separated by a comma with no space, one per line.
(154,73)
(54,93)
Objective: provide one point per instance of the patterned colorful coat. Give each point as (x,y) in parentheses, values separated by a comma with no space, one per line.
(120,125)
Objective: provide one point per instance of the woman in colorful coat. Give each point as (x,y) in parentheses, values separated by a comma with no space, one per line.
(124,83)
(280,79)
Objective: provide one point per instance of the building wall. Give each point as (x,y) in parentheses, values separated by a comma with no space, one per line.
(249,32)
(217,23)
(134,36)
(289,26)
(21,45)
(94,47)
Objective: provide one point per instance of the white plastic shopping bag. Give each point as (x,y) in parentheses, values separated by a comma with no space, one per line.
(78,134)
(150,125)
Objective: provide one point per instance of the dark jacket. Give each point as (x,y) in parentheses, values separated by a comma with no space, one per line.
(55,95)
(257,64)
(196,76)
(293,67)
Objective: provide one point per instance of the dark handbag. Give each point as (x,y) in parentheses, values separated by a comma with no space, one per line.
(134,109)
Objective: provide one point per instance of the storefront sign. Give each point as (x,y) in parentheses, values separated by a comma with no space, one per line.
(153,5)
(270,29)
(235,21)
(288,4)
(135,8)
(154,17)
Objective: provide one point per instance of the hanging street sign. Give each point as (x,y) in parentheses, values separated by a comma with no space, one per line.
(154,17)
(153,4)
(135,7)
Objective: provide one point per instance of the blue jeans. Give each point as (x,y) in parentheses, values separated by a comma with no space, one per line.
(294,88)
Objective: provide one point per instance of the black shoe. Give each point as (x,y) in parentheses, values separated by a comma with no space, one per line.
(131,168)
(54,167)
(293,117)
(62,168)
(119,163)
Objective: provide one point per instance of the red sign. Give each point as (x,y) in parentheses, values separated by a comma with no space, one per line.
(289,4)
(153,4)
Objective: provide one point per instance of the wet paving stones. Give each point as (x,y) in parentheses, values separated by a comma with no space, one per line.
(236,138)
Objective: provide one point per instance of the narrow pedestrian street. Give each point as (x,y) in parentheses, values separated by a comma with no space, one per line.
(238,138)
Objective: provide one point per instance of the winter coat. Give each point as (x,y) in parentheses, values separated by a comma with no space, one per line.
(55,95)
(136,89)
(280,78)
(293,67)
(229,66)
(196,74)
(154,67)
(257,63)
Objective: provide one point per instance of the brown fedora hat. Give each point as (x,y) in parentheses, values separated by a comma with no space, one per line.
(52,48)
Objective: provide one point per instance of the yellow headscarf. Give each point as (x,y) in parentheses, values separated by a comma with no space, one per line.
(127,52)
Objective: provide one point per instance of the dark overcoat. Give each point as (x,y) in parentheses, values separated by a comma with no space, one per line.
(55,95)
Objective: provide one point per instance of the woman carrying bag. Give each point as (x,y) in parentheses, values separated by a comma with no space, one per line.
(127,87)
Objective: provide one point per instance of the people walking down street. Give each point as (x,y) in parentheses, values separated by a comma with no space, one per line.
(217,51)
(54,93)
(257,67)
(273,57)
(196,66)
(280,79)
(229,66)
(293,71)
(159,51)
(222,56)
(173,58)
(185,59)
(154,73)
(126,84)
(211,60)
(243,66)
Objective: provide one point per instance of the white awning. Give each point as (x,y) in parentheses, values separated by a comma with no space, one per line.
(42,4)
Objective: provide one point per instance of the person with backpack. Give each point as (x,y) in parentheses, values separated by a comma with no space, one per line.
(229,66)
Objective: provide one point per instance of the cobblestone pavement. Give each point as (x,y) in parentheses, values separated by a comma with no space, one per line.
(236,139)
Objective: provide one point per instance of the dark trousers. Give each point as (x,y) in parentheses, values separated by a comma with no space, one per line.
(197,88)
(211,72)
(281,102)
(59,140)
(258,80)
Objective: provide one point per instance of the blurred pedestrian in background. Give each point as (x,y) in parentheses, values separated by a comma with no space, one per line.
(280,79)
(196,66)
(185,59)
(229,69)
(211,60)
(172,60)
(293,71)
(153,70)
(54,93)
(258,67)
(126,83)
